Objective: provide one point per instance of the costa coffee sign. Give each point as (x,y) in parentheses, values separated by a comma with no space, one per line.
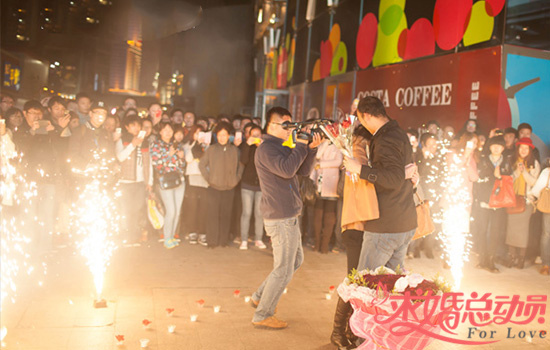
(450,89)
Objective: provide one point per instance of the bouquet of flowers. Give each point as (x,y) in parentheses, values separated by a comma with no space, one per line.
(341,135)
(386,310)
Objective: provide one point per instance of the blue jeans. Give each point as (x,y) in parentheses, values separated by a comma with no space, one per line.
(288,255)
(384,249)
(172,200)
(251,199)
(545,240)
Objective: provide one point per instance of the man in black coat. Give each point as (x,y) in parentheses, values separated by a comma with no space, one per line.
(386,239)
(40,145)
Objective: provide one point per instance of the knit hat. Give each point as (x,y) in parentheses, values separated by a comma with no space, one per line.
(525,141)
(496,140)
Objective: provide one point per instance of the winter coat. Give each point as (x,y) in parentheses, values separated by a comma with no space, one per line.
(390,151)
(193,153)
(326,177)
(484,186)
(278,169)
(250,180)
(220,166)
(42,155)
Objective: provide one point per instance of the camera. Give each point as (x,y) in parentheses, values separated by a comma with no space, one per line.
(298,131)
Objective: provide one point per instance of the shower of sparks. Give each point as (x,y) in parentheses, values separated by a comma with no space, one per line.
(456,217)
(15,259)
(95,219)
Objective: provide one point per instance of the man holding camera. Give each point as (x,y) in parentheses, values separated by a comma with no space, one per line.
(278,167)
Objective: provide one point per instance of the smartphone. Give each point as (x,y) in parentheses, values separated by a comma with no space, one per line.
(141,134)
(239,135)
(3,121)
(42,125)
(118,130)
(470,145)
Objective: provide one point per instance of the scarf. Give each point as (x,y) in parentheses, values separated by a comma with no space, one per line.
(519,183)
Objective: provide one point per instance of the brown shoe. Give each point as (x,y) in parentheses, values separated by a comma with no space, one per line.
(545,270)
(271,322)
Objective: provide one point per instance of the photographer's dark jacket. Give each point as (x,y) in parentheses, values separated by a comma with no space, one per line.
(390,151)
(278,167)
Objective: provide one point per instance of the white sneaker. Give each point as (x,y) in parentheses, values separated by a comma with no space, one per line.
(244,246)
(260,245)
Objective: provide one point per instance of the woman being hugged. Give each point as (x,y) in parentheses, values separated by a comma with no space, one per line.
(526,170)
(221,168)
(326,176)
(168,164)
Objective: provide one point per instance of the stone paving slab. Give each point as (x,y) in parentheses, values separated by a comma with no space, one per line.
(142,282)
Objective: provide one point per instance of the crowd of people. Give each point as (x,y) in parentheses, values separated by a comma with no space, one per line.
(506,236)
(202,174)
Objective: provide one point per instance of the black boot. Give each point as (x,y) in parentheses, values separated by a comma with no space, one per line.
(490,265)
(482,264)
(520,262)
(341,319)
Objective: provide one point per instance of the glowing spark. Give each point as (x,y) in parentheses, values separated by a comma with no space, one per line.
(13,250)
(96,220)
(456,217)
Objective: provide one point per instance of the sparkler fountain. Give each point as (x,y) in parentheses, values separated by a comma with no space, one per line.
(14,247)
(456,216)
(96,222)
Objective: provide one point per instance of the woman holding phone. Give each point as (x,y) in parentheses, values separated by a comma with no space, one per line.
(250,190)
(195,203)
(136,176)
(526,170)
(168,164)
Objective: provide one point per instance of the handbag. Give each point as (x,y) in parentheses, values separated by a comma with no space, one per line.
(519,207)
(308,190)
(360,204)
(424,219)
(155,216)
(170,180)
(503,195)
(543,204)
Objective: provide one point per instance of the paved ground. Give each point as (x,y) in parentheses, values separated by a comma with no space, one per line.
(142,282)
